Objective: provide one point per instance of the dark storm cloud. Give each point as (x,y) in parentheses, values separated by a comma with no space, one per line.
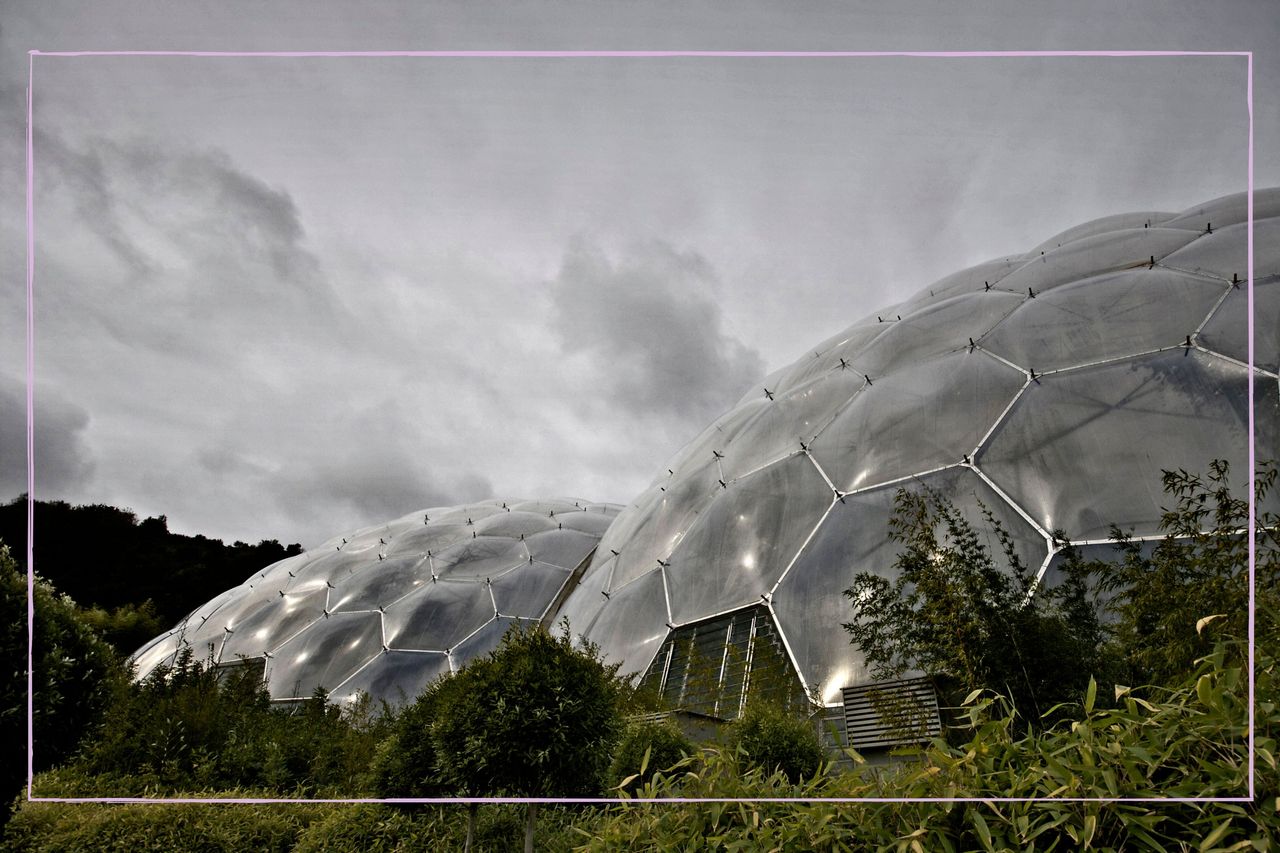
(192,236)
(652,331)
(62,460)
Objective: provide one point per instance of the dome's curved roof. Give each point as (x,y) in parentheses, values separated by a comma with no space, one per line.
(386,609)
(1051,387)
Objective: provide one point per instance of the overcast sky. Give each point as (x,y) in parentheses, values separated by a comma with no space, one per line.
(283,298)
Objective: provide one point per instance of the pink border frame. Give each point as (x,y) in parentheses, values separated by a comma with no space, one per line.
(615,54)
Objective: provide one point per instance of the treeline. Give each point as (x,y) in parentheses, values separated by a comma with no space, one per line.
(133,578)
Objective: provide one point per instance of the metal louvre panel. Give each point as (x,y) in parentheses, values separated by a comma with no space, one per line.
(891,713)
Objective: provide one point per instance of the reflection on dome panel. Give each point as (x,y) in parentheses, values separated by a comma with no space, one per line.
(1229,210)
(438,615)
(937,329)
(529,590)
(1110,252)
(430,536)
(922,417)
(809,601)
(1104,225)
(1227,332)
(825,362)
(971,280)
(161,650)
(587,599)
(1224,254)
(485,557)
(269,625)
(665,523)
(483,641)
(1083,449)
(745,539)
(324,656)
(791,419)
(591,522)
(394,676)
(514,524)
(392,579)
(564,548)
(1096,319)
(633,623)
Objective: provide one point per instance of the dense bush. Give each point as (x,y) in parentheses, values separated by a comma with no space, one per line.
(774,739)
(75,674)
(1186,742)
(405,763)
(1198,570)
(647,748)
(193,725)
(968,620)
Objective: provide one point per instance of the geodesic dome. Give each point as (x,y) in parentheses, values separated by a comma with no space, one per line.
(387,609)
(1051,387)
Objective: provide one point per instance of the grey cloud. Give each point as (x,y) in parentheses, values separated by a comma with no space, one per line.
(63,462)
(651,328)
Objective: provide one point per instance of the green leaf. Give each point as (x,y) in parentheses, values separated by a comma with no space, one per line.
(1091,694)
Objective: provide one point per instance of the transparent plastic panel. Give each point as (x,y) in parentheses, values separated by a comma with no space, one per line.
(161,650)
(468,514)
(483,557)
(757,390)
(202,614)
(790,419)
(564,548)
(826,361)
(546,507)
(1229,210)
(393,676)
(632,624)
(921,417)
(695,456)
(935,330)
(283,568)
(593,523)
(1225,253)
(528,591)
(271,623)
(515,524)
(587,598)
(431,536)
(380,585)
(1117,314)
(1227,331)
(745,539)
(1115,222)
(438,616)
(1102,253)
(483,641)
(328,569)
(1084,449)
(809,603)
(325,655)
(972,280)
(666,520)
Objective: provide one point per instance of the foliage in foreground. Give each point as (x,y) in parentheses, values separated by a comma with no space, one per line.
(191,725)
(1188,742)
(75,675)
(646,748)
(771,738)
(1183,742)
(969,621)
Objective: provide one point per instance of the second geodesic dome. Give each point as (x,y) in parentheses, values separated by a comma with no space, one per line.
(386,609)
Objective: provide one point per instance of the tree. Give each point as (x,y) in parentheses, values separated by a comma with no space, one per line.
(647,748)
(537,717)
(967,622)
(773,738)
(74,675)
(1173,600)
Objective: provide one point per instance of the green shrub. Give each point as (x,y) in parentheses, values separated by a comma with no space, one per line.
(405,762)
(192,725)
(647,748)
(75,673)
(773,738)
(44,827)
